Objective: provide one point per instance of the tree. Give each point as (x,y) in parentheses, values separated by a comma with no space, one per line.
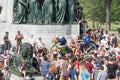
(102,11)
(108,20)
(94,10)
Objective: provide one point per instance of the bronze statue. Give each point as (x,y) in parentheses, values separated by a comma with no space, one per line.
(60,15)
(25,54)
(46,11)
(71,8)
(21,15)
(34,11)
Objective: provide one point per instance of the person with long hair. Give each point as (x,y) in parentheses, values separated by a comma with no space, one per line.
(22,68)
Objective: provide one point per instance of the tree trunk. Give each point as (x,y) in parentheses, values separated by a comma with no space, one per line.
(93,24)
(108,21)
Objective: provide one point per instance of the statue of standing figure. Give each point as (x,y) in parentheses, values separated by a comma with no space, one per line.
(47,12)
(71,7)
(21,16)
(34,11)
(60,15)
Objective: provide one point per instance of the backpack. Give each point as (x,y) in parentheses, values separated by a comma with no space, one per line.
(54,69)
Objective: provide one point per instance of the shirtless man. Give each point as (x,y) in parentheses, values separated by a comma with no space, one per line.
(19,38)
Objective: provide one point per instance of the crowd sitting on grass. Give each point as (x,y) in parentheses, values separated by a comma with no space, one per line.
(94,56)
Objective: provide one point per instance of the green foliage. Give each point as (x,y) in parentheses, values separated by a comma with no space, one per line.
(115,11)
(95,10)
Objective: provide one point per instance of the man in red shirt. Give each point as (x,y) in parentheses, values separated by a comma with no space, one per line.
(89,65)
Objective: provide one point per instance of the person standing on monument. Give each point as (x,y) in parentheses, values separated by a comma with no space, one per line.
(18,38)
(32,40)
(83,26)
(7,43)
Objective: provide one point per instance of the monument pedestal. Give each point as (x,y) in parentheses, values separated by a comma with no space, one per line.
(46,32)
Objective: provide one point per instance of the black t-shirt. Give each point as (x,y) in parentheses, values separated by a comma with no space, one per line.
(114,41)
(112,70)
(83,25)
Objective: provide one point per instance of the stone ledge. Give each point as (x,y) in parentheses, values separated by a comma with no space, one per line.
(46,32)
(15,77)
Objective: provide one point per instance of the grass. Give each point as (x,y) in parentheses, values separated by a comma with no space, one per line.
(114,26)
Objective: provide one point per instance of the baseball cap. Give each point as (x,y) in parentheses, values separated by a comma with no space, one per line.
(98,65)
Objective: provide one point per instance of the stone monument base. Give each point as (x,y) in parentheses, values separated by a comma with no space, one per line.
(15,77)
(46,32)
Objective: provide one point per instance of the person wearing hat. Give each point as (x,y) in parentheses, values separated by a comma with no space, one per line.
(96,70)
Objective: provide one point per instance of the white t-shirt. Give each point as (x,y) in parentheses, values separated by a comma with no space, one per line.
(104,42)
(116,50)
(106,36)
(32,41)
(39,44)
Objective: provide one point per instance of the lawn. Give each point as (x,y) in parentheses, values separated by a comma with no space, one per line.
(114,26)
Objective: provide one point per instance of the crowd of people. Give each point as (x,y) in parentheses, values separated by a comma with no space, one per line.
(91,56)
